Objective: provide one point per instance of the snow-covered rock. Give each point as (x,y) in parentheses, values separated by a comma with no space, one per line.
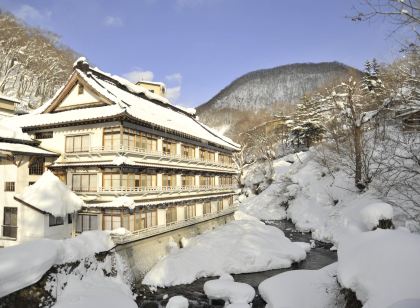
(230,291)
(177,302)
(238,247)
(301,288)
(382,267)
(51,195)
(374,212)
(25,264)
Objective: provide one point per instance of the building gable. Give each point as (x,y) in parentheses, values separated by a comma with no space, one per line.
(77,94)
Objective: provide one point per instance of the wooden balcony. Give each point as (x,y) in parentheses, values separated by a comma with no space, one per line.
(142,155)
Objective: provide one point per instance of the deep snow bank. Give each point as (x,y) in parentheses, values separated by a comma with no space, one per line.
(267,204)
(23,265)
(241,246)
(329,205)
(301,288)
(382,267)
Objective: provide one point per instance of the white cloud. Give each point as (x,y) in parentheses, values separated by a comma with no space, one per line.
(173,93)
(138,75)
(176,77)
(113,21)
(27,12)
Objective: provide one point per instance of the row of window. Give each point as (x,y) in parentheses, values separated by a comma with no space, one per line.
(114,138)
(88,182)
(112,218)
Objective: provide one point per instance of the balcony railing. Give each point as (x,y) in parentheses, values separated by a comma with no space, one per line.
(151,231)
(163,189)
(10,231)
(157,154)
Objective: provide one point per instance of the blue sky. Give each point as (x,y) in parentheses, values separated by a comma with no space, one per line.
(197,47)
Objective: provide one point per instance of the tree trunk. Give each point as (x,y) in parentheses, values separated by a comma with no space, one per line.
(357,135)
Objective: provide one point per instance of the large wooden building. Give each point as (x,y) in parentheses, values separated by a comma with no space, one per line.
(136,160)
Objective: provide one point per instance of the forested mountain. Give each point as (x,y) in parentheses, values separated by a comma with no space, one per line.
(33,65)
(265,91)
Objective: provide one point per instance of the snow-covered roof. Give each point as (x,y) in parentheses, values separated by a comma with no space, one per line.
(127,99)
(10,99)
(8,130)
(24,148)
(50,195)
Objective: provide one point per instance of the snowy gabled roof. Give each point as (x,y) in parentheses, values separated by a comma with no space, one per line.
(8,130)
(129,99)
(50,195)
(18,148)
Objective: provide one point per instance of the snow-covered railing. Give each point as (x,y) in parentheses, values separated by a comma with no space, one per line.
(163,189)
(151,231)
(157,154)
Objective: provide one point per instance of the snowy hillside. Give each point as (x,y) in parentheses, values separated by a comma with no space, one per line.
(269,89)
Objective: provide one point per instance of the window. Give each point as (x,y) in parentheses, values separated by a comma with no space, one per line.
(171,215)
(225,159)
(69,218)
(31,183)
(190,211)
(144,218)
(169,180)
(207,180)
(36,166)
(188,180)
(207,155)
(206,208)
(77,143)
(86,223)
(9,186)
(112,219)
(219,205)
(10,222)
(84,182)
(55,221)
(225,180)
(44,135)
(81,89)
(169,148)
(128,180)
(187,151)
(112,136)
(131,139)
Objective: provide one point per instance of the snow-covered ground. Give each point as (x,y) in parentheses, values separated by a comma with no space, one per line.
(85,286)
(326,204)
(267,204)
(241,246)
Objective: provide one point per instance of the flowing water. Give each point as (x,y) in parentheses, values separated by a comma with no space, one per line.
(318,257)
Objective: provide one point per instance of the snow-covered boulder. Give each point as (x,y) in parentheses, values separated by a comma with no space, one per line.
(301,288)
(230,291)
(177,302)
(382,267)
(373,213)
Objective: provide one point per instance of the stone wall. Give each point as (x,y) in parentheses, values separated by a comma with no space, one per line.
(141,255)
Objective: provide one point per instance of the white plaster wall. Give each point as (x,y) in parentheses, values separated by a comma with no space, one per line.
(74,98)
(199,209)
(213,206)
(161,217)
(180,213)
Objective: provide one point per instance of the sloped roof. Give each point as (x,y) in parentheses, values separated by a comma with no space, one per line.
(50,195)
(16,148)
(127,99)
